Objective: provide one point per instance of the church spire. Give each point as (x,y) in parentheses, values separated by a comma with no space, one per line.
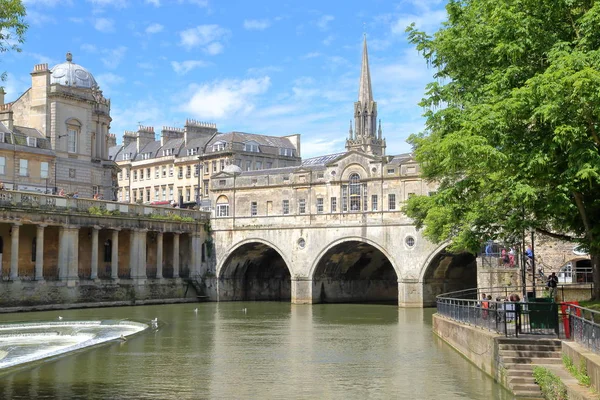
(365,93)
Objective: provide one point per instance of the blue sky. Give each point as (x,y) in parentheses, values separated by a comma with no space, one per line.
(269,67)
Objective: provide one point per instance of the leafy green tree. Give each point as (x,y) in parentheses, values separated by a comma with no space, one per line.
(512,123)
(12,27)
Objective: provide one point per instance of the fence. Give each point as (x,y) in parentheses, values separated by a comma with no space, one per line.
(583,326)
(509,318)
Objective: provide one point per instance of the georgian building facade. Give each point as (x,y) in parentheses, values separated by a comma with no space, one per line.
(57,131)
(179,165)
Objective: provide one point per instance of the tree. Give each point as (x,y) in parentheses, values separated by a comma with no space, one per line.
(12,27)
(512,123)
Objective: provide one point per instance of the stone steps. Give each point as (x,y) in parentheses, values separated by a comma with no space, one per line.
(531,354)
(526,347)
(531,360)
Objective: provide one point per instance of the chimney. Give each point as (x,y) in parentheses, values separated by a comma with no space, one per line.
(6,115)
(169,133)
(2,93)
(128,138)
(145,135)
(195,129)
(111,140)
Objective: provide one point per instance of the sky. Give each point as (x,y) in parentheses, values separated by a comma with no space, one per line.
(272,67)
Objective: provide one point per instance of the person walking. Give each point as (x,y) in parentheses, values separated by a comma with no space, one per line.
(552,284)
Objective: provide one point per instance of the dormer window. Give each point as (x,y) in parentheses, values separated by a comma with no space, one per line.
(146,156)
(219,146)
(167,152)
(251,147)
(286,152)
(192,152)
(1,137)
(32,142)
(126,156)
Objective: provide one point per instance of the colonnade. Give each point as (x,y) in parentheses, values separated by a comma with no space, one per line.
(72,253)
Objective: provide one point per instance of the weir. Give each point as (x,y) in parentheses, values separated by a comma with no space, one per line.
(23,343)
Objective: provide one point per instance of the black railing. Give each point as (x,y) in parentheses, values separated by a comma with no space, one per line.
(584,326)
(507,317)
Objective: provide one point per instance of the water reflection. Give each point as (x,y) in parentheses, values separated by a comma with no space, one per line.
(273,350)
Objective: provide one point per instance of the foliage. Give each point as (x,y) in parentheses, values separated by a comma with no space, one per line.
(170,216)
(209,246)
(12,27)
(512,123)
(580,373)
(207,227)
(102,211)
(551,385)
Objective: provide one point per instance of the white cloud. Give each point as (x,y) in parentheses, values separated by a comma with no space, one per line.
(113,57)
(76,20)
(199,3)
(261,71)
(89,48)
(112,3)
(427,18)
(328,40)
(256,24)
(38,18)
(108,81)
(155,3)
(145,65)
(47,3)
(154,28)
(104,25)
(40,58)
(312,54)
(323,22)
(225,98)
(208,37)
(184,67)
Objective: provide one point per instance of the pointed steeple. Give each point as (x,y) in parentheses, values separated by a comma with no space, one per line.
(365,93)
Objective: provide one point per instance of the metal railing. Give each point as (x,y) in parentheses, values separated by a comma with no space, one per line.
(506,317)
(584,326)
(12,198)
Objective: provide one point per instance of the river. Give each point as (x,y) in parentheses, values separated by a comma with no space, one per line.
(267,351)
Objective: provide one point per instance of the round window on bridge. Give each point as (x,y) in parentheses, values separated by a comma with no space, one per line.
(301,243)
(410,241)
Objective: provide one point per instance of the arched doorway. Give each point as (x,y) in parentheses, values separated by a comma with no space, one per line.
(254,271)
(448,272)
(354,272)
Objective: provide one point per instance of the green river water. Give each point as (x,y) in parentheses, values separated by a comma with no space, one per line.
(271,351)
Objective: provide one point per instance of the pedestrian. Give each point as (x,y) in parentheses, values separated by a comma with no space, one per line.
(552,284)
(61,192)
(529,255)
(511,257)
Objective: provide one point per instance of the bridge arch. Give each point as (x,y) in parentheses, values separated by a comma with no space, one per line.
(354,269)
(444,272)
(254,269)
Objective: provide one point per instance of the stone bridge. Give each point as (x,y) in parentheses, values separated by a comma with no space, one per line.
(352,257)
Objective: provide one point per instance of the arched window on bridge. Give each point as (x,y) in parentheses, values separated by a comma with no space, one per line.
(354,195)
(222,209)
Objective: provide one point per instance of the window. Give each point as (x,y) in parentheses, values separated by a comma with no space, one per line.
(334,204)
(222,182)
(32,142)
(142,174)
(192,152)
(214,167)
(259,165)
(302,206)
(2,165)
(391,170)
(164,171)
(188,171)
(156,172)
(164,193)
(156,193)
(320,175)
(320,205)
(95,190)
(286,178)
(188,194)
(148,173)
(411,194)
(135,175)
(23,168)
(222,165)
(170,192)
(44,170)
(196,169)
(167,152)
(219,146)
(171,168)
(374,202)
(354,195)
(180,172)
(248,165)
(146,156)
(127,193)
(222,210)
(269,165)
(286,207)
(206,187)
(253,208)
(72,140)
(286,152)
(147,195)
(354,191)
(391,201)
(120,175)
(126,156)
(126,173)
(135,196)
(251,147)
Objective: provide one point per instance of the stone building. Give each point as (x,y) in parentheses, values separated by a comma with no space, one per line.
(179,165)
(58,131)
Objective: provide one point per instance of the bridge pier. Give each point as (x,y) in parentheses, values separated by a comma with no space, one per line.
(302,291)
(410,293)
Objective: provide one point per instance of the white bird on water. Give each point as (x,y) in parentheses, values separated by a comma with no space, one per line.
(155,323)
(123,338)
(59,318)
(196,310)
(245,310)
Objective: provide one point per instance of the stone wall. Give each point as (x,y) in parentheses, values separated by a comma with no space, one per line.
(577,353)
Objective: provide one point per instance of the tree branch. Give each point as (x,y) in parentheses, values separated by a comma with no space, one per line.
(558,236)
(593,131)
(584,218)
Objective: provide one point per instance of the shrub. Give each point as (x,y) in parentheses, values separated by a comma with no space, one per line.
(552,387)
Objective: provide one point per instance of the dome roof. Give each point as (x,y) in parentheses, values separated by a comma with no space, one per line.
(71,74)
(232,169)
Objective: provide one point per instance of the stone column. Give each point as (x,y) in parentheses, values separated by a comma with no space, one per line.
(159,255)
(68,254)
(114,263)
(39,253)
(410,293)
(196,253)
(137,254)
(95,231)
(302,292)
(14,251)
(176,255)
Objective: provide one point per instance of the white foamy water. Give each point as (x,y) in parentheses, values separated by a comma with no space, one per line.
(26,342)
